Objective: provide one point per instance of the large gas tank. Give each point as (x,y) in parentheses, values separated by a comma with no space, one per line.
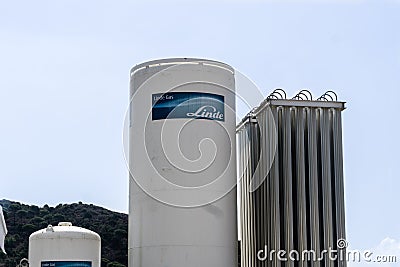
(182,161)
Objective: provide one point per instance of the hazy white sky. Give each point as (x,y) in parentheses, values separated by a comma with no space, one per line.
(64,78)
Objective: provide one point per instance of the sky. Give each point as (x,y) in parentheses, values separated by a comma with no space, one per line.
(64,89)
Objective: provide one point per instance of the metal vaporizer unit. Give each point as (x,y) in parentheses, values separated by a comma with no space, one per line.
(291,168)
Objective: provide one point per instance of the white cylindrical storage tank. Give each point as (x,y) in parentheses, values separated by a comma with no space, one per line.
(64,246)
(182,162)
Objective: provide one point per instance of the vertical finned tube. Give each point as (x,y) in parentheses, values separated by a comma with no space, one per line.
(255,193)
(263,159)
(338,178)
(265,186)
(313,184)
(246,194)
(275,192)
(250,195)
(241,164)
(301,213)
(326,184)
(244,203)
(269,148)
(287,181)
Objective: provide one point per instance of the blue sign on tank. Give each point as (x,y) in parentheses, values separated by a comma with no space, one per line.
(66,264)
(188,105)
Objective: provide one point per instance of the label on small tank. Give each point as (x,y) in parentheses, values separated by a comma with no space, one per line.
(66,264)
(188,105)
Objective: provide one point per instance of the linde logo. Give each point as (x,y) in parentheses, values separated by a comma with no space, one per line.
(188,105)
(209,112)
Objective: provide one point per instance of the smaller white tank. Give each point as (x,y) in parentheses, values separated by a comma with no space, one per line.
(64,246)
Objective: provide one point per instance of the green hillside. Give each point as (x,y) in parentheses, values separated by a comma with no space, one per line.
(22,220)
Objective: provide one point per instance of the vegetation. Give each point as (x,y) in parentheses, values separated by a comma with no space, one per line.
(22,220)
